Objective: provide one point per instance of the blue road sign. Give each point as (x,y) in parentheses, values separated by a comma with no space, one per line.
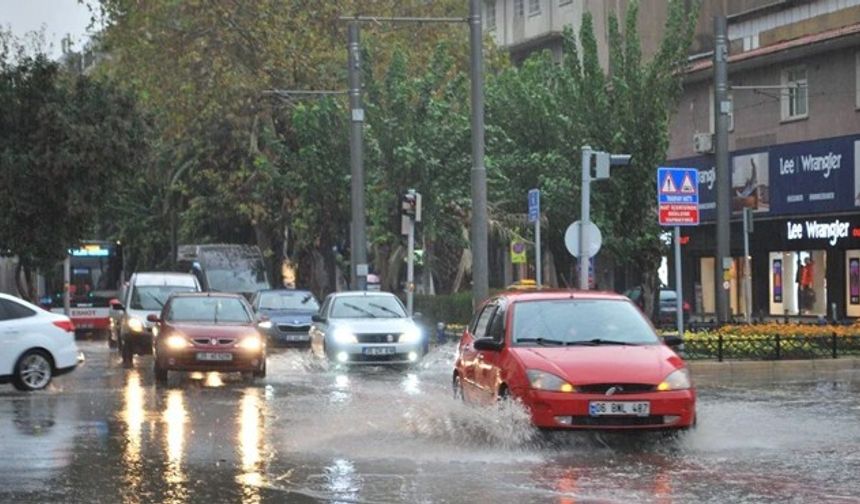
(678,186)
(534,205)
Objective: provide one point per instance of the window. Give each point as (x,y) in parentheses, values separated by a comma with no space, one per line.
(534,7)
(490,6)
(483,321)
(380,306)
(794,96)
(10,310)
(213,310)
(518,8)
(496,330)
(572,322)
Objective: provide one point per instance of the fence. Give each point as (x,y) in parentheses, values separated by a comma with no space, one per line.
(771,347)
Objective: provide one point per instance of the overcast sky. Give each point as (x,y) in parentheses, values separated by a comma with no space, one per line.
(59,17)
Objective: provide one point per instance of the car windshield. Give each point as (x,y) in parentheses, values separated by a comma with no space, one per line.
(214,310)
(367,307)
(153,297)
(236,280)
(288,301)
(580,322)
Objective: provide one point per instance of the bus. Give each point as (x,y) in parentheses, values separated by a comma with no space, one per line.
(96,277)
(232,268)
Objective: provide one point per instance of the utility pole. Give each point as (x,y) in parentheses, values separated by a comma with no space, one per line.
(585,217)
(723,261)
(358,237)
(480,275)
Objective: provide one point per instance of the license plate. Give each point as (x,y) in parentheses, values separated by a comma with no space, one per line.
(296,337)
(214,356)
(386,350)
(626,408)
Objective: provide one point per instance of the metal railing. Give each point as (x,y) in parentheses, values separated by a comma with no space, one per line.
(771,347)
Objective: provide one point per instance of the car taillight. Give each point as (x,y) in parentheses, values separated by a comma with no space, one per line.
(65,325)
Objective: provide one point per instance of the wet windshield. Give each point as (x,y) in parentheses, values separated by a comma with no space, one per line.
(215,310)
(288,301)
(580,322)
(367,307)
(238,280)
(153,297)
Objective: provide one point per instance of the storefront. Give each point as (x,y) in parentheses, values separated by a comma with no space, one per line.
(805,245)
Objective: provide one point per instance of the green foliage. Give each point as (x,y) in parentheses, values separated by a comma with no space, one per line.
(450,308)
(65,143)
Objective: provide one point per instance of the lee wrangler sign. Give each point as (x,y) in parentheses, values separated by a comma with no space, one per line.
(678,196)
(831,231)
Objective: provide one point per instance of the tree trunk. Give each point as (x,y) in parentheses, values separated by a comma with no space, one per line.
(24,281)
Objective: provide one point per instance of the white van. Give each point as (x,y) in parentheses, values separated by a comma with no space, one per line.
(144,294)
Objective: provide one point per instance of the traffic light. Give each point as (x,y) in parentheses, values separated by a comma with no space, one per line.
(410,205)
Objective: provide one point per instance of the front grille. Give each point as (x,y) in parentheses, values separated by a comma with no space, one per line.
(208,341)
(620,388)
(379,358)
(292,329)
(617,421)
(378,338)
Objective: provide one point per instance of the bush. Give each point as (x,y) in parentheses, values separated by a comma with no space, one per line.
(449,308)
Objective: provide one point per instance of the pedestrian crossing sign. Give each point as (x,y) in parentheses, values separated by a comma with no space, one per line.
(678,196)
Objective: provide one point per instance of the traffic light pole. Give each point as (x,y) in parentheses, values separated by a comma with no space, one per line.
(410,267)
(585,218)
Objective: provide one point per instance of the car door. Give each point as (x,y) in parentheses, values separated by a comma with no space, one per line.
(15,325)
(469,356)
(488,366)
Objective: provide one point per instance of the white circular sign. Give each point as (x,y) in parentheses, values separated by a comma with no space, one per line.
(593,239)
(727,285)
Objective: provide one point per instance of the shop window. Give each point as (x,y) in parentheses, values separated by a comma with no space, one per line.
(794,95)
(852,281)
(705,288)
(798,283)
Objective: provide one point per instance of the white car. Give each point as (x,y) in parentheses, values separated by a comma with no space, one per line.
(365,328)
(35,345)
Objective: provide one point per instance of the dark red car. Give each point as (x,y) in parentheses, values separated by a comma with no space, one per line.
(577,360)
(208,332)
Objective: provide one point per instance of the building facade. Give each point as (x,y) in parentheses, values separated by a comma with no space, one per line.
(794,142)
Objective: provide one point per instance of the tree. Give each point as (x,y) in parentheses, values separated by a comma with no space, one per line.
(63,141)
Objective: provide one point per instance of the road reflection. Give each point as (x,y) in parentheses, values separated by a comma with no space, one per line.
(133,415)
(341,481)
(251,431)
(174,418)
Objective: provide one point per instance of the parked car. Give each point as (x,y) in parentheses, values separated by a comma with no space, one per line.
(37,345)
(285,314)
(576,360)
(365,328)
(667,307)
(208,332)
(145,294)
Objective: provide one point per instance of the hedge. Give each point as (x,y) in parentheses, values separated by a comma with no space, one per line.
(449,308)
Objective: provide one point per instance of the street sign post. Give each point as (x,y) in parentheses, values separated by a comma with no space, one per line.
(678,199)
(534,218)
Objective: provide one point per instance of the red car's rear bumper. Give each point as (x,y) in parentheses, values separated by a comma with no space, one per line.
(558,410)
(186,360)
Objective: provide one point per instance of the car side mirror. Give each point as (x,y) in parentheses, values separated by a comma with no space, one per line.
(488,344)
(153,318)
(116,305)
(318,318)
(673,341)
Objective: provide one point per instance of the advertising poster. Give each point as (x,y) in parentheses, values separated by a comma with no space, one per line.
(854,280)
(750,188)
(777,280)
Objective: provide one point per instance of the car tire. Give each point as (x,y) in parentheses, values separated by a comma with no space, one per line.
(127,355)
(112,343)
(161,373)
(457,386)
(503,394)
(33,371)
(261,373)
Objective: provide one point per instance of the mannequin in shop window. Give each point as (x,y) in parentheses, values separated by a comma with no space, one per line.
(807,292)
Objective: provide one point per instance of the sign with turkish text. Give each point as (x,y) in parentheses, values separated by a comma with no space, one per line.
(678,196)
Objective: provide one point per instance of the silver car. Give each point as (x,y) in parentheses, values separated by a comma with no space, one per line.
(365,328)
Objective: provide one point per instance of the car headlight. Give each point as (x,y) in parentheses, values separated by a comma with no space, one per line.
(541,380)
(253,342)
(677,380)
(135,324)
(175,342)
(344,335)
(412,335)
(266,324)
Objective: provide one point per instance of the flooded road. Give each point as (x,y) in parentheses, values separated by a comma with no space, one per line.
(309,433)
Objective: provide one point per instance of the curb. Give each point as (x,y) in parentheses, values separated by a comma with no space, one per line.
(729,372)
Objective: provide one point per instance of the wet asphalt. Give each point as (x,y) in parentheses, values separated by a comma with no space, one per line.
(311,433)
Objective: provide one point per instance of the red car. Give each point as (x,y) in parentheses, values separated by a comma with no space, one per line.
(577,360)
(207,332)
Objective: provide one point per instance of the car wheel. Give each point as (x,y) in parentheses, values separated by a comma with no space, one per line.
(458,388)
(261,373)
(160,373)
(503,394)
(33,371)
(127,355)
(112,343)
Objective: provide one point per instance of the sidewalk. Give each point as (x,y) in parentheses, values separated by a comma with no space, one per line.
(734,372)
